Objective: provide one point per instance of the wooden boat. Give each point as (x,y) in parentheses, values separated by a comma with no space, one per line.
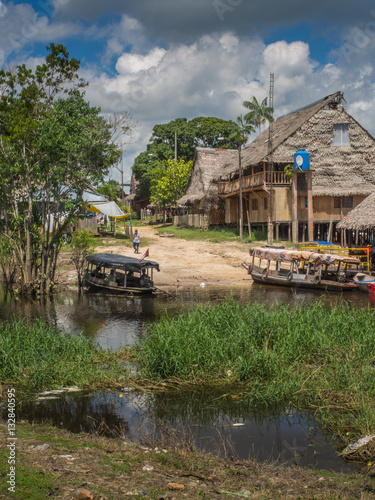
(120,274)
(365,282)
(304,269)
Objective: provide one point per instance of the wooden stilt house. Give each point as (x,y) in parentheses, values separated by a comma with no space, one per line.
(342,162)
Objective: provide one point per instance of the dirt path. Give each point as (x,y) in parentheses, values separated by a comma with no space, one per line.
(185,263)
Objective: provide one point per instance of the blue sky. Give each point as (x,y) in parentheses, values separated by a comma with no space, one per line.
(164,59)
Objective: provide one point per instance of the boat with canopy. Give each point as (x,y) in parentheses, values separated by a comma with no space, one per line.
(120,274)
(305,269)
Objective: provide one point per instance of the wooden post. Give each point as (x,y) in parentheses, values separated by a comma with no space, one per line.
(294,210)
(329,237)
(277,231)
(310,207)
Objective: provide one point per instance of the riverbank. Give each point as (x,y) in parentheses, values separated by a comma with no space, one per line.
(183,263)
(54,463)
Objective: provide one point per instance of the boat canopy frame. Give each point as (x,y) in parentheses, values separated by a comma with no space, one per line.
(121,261)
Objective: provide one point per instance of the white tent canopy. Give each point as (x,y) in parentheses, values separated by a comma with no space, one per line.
(109,208)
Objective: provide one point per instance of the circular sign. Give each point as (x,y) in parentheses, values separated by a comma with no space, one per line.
(299,160)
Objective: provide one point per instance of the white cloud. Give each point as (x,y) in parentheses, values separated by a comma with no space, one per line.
(136,63)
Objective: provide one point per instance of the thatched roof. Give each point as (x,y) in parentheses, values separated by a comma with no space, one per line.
(134,184)
(338,170)
(202,186)
(362,217)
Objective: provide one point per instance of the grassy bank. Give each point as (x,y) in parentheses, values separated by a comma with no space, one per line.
(309,356)
(114,469)
(35,356)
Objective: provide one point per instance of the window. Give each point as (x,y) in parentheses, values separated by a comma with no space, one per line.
(265,200)
(344,202)
(254,204)
(341,135)
(347,201)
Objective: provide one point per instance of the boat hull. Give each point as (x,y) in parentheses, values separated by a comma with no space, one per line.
(365,282)
(300,281)
(98,284)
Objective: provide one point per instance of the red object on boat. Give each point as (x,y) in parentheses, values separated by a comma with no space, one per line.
(371,288)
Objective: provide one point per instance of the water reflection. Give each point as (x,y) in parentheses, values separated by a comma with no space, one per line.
(114,321)
(211,423)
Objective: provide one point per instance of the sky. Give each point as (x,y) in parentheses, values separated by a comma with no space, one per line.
(165,59)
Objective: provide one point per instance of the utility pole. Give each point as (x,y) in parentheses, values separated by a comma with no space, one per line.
(270,166)
(240,192)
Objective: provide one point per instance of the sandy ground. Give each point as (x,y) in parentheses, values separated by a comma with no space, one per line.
(185,263)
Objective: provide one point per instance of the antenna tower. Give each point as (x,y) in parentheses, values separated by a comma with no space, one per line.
(270,165)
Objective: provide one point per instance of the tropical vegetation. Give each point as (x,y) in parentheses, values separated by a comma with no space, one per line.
(258,113)
(52,143)
(178,139)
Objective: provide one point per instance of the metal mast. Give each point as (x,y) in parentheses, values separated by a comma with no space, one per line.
(270,165)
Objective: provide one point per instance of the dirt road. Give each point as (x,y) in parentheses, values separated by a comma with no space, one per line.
(186,263)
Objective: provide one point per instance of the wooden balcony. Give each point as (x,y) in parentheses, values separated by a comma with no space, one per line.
(261,180)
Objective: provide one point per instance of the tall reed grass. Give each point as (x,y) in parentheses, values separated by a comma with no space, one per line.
(313,356)
(35,356)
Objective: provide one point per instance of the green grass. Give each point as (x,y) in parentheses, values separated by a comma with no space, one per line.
(35,356)
(310,356)
(211,235)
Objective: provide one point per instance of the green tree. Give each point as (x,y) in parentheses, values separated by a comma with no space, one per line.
(52,143)
(111,189)
(83,244)
(259,112)
(199,132)
(169,182)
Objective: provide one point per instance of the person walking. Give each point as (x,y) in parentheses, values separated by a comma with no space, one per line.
(136,241)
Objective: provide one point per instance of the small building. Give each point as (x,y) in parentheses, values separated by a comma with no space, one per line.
(133,200)
(359,225)
(201,206)
(342,162)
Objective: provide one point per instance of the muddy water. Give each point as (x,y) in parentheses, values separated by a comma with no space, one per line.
(198,419)
(231,429)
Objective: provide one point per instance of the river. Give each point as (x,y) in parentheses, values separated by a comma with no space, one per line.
(234,429)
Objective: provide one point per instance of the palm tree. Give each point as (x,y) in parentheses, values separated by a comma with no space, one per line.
(242,132)
(259,112)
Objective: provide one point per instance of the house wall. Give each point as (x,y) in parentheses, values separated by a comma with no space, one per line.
(231,210)
(189,220)
(324,208)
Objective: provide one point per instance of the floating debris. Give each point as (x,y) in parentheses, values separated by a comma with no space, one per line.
(351,448)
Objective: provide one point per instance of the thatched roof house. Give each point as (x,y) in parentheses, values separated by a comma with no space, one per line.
(362,217)
(133,200)
(342,160)
(342,170)
(201,196)
(201,191)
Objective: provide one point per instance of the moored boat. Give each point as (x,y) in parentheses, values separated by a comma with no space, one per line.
(365,282)
(303,269)
(120,274)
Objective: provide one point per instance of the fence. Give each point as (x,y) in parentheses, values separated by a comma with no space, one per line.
(363,254)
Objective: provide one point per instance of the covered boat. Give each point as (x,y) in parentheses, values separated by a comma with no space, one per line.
(120,274)
(365,282)
(296,268)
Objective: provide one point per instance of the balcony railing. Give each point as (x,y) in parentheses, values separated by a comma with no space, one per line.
(253,181)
